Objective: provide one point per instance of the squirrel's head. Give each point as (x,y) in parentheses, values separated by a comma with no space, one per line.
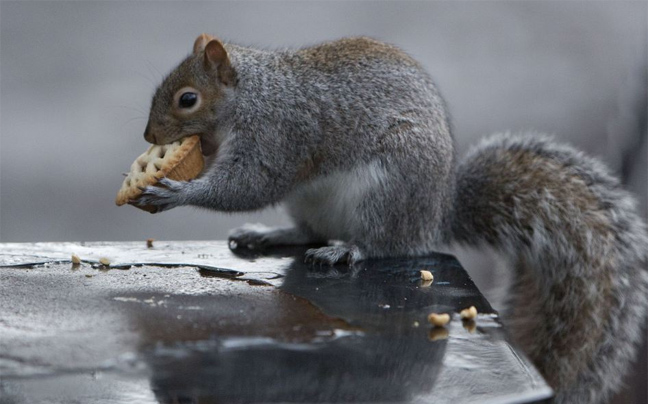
(188,100)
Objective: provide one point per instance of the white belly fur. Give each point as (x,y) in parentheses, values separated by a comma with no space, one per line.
(328,204)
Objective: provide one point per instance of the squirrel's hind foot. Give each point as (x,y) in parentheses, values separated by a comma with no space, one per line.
(258,236)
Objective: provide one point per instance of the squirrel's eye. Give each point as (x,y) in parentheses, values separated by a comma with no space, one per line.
(188,100)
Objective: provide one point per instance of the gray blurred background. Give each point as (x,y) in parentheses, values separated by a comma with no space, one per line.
(76,80)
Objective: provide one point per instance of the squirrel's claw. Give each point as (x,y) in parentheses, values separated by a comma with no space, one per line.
(165,182)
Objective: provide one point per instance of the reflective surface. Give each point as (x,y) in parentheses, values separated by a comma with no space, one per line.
(244,328)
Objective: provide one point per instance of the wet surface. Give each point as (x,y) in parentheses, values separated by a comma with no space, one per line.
(193,322)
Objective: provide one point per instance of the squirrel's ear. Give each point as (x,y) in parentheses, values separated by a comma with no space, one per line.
(216,59)
(201,42)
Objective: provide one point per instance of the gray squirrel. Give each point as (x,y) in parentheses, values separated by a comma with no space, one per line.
(353,138)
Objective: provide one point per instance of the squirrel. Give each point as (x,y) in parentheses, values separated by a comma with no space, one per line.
(353,137)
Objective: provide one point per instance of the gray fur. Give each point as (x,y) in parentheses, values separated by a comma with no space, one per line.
(353,137)
(579,252)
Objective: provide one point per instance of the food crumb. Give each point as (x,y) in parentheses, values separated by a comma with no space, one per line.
(149,242)
(76,260)
(427,275)
(104,261)
(88,276)
(438,320)
(416,324)
(469,313)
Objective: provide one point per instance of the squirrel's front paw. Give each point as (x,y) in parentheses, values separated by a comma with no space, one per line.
(168,196)
(335,254)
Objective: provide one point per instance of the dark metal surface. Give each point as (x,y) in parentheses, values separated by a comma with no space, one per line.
(244,327)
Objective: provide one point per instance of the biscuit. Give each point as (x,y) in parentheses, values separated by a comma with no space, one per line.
(181,161)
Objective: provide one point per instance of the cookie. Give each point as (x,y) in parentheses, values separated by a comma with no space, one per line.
(181,161)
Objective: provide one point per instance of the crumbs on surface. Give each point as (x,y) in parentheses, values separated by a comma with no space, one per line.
(104,261)
(438,320)
(76,260)
(468,314)
(427,275)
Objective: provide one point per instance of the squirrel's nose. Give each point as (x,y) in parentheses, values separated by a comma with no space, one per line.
(149,136)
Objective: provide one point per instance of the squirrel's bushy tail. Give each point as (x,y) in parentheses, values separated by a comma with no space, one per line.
(578,250)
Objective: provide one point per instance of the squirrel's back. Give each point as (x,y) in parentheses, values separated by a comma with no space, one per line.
(355,53)
(347,95)
(380,77)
